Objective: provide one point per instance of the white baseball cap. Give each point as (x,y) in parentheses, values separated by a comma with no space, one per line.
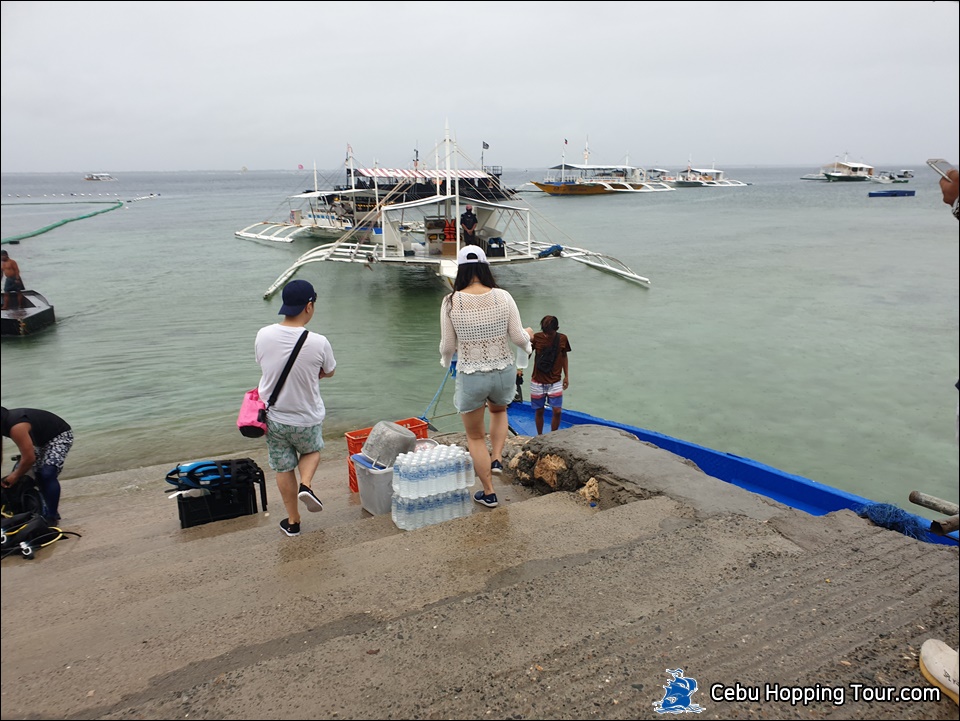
(472,254)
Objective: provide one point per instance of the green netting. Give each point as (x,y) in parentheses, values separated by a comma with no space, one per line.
(114,204)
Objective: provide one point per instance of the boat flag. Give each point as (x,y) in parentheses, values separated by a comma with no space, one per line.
(564,141)
(485,145)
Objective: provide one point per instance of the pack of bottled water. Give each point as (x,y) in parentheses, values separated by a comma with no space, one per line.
(430,486)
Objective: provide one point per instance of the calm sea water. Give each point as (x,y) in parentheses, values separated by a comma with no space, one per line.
(801,324)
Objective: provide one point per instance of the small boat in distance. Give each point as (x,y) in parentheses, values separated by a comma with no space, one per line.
(887,177)
(843,171)
(98,176)
(705,178)
(892,193)
(587,179)
(35,314)
(573,179)
(847,172)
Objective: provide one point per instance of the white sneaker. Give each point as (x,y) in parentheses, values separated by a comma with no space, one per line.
(940,664)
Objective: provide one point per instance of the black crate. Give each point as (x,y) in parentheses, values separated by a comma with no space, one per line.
(222,503)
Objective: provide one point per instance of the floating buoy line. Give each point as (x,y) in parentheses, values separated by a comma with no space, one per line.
(114,205)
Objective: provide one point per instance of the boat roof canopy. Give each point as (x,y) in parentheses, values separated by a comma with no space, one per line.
(419,174)
(443,199)
(845,164)
(575,166)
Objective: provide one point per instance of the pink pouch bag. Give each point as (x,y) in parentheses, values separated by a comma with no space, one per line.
(252,420)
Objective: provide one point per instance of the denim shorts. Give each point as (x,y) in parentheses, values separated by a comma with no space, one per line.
(285,444)
(473,390)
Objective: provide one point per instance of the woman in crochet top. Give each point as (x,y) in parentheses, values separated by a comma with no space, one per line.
(479,321)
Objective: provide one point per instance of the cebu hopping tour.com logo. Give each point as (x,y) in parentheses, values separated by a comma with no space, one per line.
(678,694)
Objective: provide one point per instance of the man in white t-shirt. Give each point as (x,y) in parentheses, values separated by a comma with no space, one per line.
(295,420)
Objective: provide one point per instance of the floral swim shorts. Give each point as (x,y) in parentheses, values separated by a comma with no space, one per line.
(285,444)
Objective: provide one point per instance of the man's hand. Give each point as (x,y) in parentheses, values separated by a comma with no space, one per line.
(950,187)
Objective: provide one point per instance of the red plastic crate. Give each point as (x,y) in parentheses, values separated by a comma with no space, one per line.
(356,439)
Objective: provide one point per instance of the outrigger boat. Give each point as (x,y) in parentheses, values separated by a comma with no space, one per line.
(705,178)
(346,208)
(586,179)
(573,179)
(847,172)
(886,177)
(508,233)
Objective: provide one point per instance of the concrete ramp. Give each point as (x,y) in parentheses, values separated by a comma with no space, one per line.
(543,608)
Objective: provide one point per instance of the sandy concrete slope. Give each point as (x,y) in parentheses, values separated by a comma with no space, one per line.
(542,608)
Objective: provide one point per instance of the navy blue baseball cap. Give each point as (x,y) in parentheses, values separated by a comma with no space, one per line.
(296,295)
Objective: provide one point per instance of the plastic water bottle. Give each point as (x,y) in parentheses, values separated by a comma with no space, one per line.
(409,471)
(419,515)
(456,468)
(395,510)
(461,469)
(437,467)
(463,503)
(446,467)
(523,360)
(433,473)
(398,474)
(451,505)
(414,479)
(433,509)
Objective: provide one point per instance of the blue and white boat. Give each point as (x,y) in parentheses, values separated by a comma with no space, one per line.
(798,492)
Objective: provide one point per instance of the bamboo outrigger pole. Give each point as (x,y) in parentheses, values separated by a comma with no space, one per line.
(943,526)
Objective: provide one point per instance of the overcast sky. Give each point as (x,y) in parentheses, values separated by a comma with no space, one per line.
(105,86)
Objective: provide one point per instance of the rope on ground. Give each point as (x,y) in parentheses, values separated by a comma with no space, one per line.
(16,238)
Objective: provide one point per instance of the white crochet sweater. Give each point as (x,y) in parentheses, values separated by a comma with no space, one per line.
(477,328)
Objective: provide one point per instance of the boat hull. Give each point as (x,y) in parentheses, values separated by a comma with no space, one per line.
(798,492)
(572,188)
(892,193)
(35,315)
(842,178)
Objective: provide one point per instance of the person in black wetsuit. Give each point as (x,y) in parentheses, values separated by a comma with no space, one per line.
(44,439)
